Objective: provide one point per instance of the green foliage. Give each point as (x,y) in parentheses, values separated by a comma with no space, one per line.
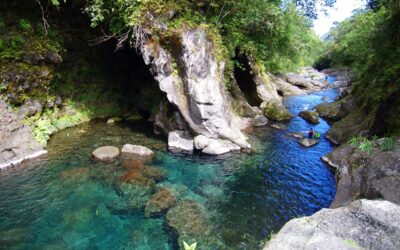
(365,146)
(25,25)
(369,44)
(387,144)
(361,143)
(272,31)
(189,247)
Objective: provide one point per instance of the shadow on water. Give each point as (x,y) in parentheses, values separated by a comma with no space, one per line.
(68,201)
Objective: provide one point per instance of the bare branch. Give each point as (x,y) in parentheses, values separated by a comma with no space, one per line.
(46,25)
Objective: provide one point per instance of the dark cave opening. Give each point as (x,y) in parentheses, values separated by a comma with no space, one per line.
(246,83)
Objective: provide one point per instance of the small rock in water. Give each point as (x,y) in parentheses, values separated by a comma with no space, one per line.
(105,153)
(75,174)
(307,142)
(298,135)
(310,116)
(279,126)
(259,121)
(180,142)
(137,150)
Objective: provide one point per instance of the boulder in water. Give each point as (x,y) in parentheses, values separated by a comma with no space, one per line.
(137,150)
(310,116)
(75,174)
(298,135)
(187,218)
(275,110)
(364,224)
(259,121)
(137,178)
(105,153)
(307,142)
(180,142)
(160,202)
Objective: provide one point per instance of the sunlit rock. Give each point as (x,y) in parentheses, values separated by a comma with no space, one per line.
(137,150)
(364,224)
(105,153)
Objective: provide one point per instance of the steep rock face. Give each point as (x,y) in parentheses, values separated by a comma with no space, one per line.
(17,142)
(363,175)
(196,87)
(364,224)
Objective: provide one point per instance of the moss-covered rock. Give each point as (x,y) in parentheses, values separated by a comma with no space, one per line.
(275,110)
(310,116)
(354,124)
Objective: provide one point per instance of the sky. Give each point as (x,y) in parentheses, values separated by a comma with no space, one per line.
(340,11)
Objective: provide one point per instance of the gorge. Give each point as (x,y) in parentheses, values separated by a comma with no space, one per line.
(224,112)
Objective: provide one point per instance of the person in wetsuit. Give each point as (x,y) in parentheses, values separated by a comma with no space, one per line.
(311,133)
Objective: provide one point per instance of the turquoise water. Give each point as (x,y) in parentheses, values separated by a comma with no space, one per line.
(65,200)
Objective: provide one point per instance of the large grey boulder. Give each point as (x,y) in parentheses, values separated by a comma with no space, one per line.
(361,174)
(180,142)
(105,153)
(196,87)
(214,146)
(364,224)
(16,140)
(137,150)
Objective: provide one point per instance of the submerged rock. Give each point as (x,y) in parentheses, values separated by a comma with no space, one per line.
(310,116)
(75,174)
(133,164)
(187,218)
(160,202)
(279,126)
(364,224)
(307,142)
(298,135)
(137,150)
(180,142)
(105,153)
(157,174)
(137,178)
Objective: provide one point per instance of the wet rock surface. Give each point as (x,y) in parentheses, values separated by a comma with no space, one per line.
(363,224)
(336,110)
(308,142)
(16,139)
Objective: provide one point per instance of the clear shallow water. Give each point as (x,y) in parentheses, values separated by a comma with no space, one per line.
(67,201)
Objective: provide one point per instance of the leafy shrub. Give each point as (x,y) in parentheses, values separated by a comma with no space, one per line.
(387,144)
(25,25)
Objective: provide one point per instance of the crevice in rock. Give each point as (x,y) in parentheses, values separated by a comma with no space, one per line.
(246,83)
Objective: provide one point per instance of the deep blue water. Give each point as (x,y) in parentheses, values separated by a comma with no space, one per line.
(246,197)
